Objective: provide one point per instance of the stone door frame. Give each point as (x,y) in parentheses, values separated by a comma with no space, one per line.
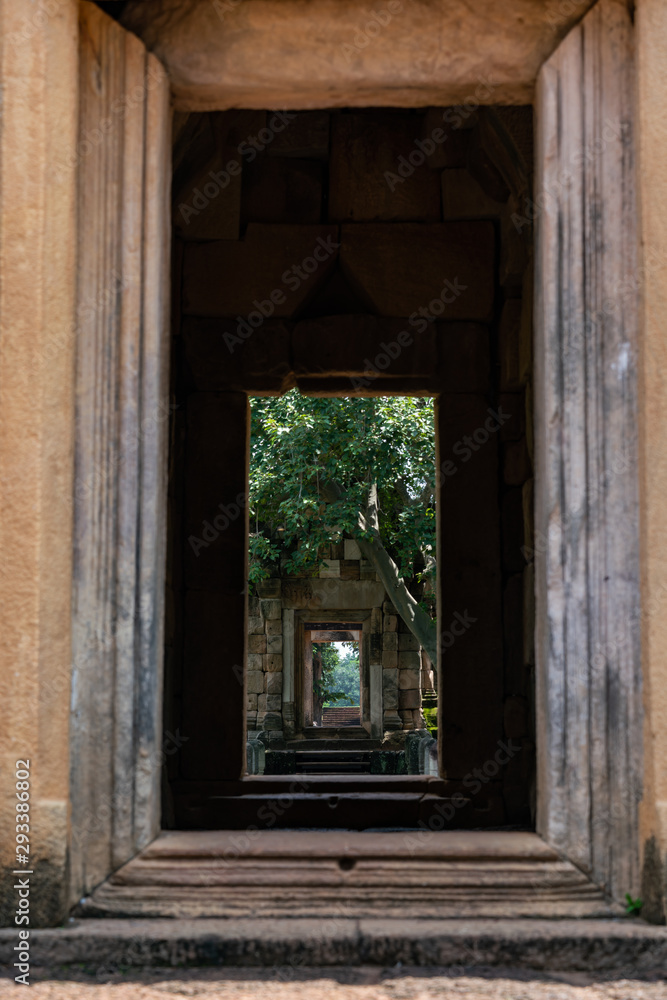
(589,709)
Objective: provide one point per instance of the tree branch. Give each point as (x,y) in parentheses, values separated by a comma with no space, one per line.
(419,623)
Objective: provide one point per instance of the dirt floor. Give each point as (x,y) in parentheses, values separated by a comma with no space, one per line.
(341,984)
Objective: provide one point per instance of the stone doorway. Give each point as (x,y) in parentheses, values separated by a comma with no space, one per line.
(586,716)
(356,252)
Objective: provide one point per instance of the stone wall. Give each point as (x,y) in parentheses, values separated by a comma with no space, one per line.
(271,617)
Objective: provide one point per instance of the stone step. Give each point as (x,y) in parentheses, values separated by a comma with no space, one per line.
(410,874)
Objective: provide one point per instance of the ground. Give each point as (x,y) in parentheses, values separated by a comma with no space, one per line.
(340,984)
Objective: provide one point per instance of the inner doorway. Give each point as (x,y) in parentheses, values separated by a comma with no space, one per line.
(377,253)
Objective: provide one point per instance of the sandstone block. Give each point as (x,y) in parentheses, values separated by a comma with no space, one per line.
(273,662)
(253,607)
(255,626)
(366,153)
(508,343)
(464,357)
(282,190)
(351,549)
(463,198)
(516,463)
(409,660)
(390,640)
(254,661)
(408,678)
(389,623)
(274,683)
(406,640)
(272,609)
(274,643)
(207,190)
(255,682)
(287,262)
(305,137)
(450,151)
(389,658)
(251,719)
(251,702)
(409,699)
(349,569)
(269,702)
(446,269)
(273,626)
(513,404)
(219,359)
(330,569)
(272,721)
(513,531)
(269,589)
(257,643)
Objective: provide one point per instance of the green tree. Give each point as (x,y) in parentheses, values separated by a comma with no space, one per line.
(322,469)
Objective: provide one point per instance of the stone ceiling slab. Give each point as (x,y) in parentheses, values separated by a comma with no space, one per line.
(346,53)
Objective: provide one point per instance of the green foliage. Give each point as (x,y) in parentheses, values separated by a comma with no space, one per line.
(300,443)
(632,906)
(340,682)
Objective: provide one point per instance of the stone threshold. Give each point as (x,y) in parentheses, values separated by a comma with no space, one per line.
(548,945)
(342,874)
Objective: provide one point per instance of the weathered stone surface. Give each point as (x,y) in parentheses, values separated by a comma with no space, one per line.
(295,56)
(267,274)
(452,151)
(269,588)
(349,569)
(389,623)
(508,345)
(366,153)
(215,491)
(390,640)
(254,661)
(464,198)
(274,683)
(444,269)
(306,136)
(409,660)
(273,662)
(273,627)
(390,658)
(351,548)
(271,609)
(464,362)
(255,682)
(255,626)
(408,678)
(274,643)
(322,594)
(279,190)
(222,355)
(362,346)
(408,699)
(257,643)
(406,640)
(516,463)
